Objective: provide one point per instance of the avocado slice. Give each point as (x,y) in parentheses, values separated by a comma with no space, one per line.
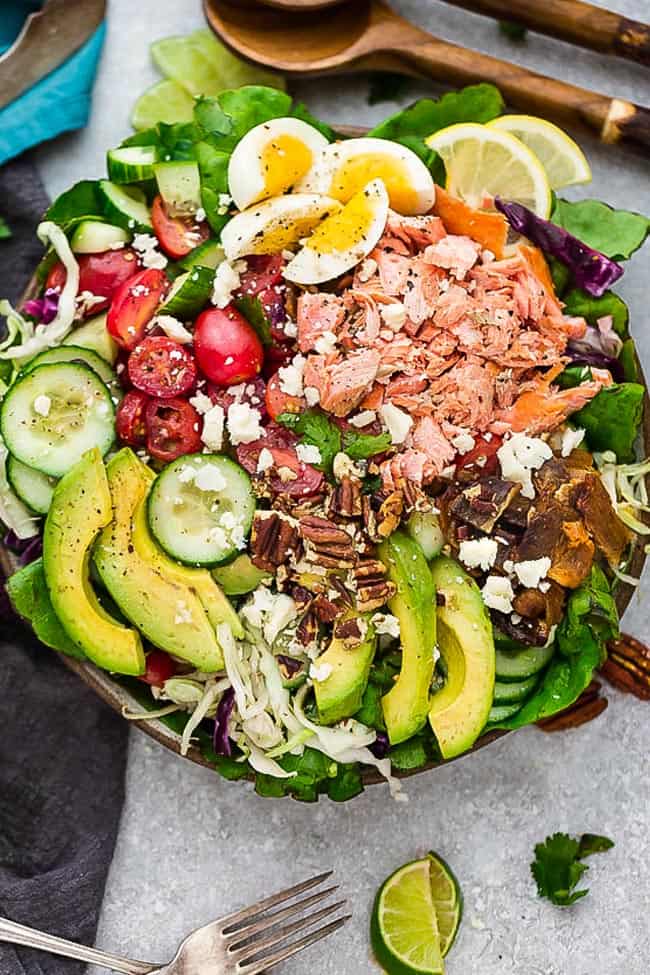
(339,696)
(159,597)
(81,508)
(239,576)
(459,711)
(406,705)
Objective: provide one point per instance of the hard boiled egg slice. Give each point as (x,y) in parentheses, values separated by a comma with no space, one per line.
(272,158)
(343,168)
(342,240)
(276,224)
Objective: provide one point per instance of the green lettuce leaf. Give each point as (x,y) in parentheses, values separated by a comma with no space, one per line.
(83,201)
(251,309)
(615,233)
(578,302)
(613,418)
(30,598)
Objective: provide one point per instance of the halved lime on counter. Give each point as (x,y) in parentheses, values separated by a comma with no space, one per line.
(166,101)
(562,158)
(481,161)
(415,918)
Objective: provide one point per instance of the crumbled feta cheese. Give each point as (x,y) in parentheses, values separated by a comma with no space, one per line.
(244,423)
(217,536)
(290,329)
(367,269)
(290,377)
(531,572)
(186,474)
(312,395)
(571,438)
(201,403)
(463,442)
(200,215)
(269,612)
(498,593)
(385,623)
(224,202)
(209,478)
(478,553)
(320,672)
(42,405)
(172,328)
(183,614)
(518,456)
(147,247)
(265,460)
(397,422)
(308,453)
(394,315)
(212,433)
(344,466)
(363,418)
(325,343)
(226,280)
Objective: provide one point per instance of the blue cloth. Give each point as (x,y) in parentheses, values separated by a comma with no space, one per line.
(57,103)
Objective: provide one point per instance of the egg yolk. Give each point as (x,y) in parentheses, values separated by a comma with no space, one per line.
(357,172)
(284,233)
(284,161)
(346,228)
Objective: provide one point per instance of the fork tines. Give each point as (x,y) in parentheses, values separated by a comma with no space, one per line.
(251,954)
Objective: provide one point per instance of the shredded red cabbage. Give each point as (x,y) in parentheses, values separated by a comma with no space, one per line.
(220,739)
(27,549)
(590,357)
(592,271)
(44,309)
(380,745)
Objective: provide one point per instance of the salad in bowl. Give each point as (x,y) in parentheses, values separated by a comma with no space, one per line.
(326,446)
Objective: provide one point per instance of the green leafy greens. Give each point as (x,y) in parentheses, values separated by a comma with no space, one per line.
(252,310)
(558,867)
(30,598)
(615,233)
(612,419)
(316,429)
(5,229)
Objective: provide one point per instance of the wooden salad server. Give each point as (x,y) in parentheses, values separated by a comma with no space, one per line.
(368,35)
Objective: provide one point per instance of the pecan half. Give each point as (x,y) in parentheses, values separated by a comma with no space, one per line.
(274,539)
(307,629)
(588,706)
(628,666)
(326,610)
(372,586)
(345,499)
(352,631)
(326,543)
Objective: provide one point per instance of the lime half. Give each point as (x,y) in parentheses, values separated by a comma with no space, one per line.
(163,102)
(562,158)
(481,161)
(447,900)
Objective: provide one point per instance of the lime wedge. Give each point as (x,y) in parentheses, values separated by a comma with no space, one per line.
(447,900)
(203,66)
(404,927)
(481,161)
(163,102)
(564,161)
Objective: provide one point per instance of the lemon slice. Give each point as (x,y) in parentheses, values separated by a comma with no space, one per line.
(564,161)
(165,101)
(482,161)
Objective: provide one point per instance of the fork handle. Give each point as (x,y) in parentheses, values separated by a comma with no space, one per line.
(20,934)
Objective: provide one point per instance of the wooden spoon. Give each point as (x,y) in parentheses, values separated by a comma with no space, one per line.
(369,35)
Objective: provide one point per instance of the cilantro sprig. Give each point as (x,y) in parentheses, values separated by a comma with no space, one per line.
(558,867)
(316,429)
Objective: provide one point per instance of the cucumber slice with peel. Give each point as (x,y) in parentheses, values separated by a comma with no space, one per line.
(189,293)
(200,509)
(424,528)
(94,335)
(94,237)
(126,207)
(517,665)
(73,353)
(131,164)
(179,184)
(509,692)
(32,487)
(208,254)
(501,712)
(56,412)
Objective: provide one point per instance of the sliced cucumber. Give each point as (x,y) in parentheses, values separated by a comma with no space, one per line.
(424,528)
(508,692)
(73,353)
(200,509)
(189,293)
(126,206)
(94,335)
(208,254)
(179,184)
(239,576)
(94,237)
(501,712)
(131,164)
(56,412)
(32,487)
(517,665)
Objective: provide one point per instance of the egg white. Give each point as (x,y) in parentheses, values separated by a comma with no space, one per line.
(342,168)
(358,225)
(274,225)
(278,152)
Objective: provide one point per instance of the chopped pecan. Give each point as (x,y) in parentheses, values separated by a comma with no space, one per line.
(628,666)
(351,631)
(327,543)
(345,499)
(414,497)
(301,596)
(326,610)
(344,595)
(274,539)
(307,629)
(588,706)
(369,518)
(390,514)
(372,586)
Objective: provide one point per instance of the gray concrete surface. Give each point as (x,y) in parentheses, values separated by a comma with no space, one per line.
(191,846)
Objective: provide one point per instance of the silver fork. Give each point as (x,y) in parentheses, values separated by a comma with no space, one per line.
(247,942)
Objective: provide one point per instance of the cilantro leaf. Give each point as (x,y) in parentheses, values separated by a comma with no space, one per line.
(360,446)
(557,867)
(5,230)
(615,233)
(316,429)
(251,309)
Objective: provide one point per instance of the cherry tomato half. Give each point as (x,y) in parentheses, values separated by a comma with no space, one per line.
(177,235)
(130,418)
(227,347)
(277,401)
(173,429)
(262,272)
(134,304)
(307,479)
(100,274)
(159,668)
(162,367)
(253,393)
(480,460)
